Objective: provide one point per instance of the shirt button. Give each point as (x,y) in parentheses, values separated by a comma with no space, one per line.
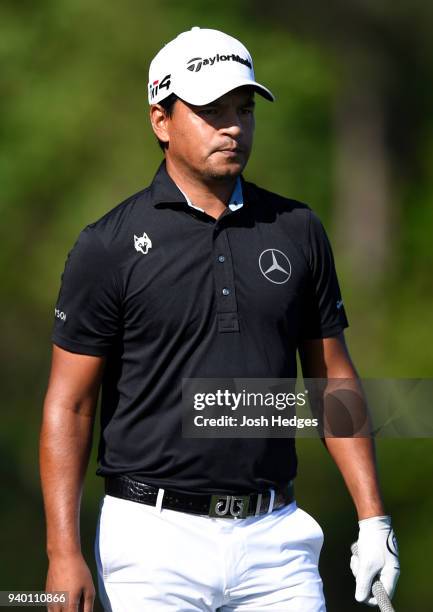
(221,258)
(226,291)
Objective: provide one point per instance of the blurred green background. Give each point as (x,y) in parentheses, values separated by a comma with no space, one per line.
(351,134)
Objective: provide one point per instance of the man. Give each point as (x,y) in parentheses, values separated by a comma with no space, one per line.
(201,275)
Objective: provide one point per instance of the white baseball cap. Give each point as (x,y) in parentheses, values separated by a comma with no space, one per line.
(200,66)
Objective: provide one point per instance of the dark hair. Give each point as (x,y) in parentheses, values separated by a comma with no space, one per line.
(168,106)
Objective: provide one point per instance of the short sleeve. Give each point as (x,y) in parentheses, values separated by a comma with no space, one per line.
(86,316)
(323,314)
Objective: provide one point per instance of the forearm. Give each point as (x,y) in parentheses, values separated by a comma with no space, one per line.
(356,460)
(65,444)
(355,456)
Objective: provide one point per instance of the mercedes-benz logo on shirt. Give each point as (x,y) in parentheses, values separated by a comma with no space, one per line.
(275,266)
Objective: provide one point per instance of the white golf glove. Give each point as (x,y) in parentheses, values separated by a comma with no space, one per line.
(377,556)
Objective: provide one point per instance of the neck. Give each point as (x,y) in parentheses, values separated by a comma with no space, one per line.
(213,195)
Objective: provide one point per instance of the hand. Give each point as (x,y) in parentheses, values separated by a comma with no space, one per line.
(70,573)
(377,556)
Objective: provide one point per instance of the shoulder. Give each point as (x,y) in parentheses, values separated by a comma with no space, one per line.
(276,202)
(102,242)
(113,225)
(298,221)
(295,215)
(107,234)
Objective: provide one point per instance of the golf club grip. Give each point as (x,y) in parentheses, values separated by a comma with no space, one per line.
(382,598)
(377,589)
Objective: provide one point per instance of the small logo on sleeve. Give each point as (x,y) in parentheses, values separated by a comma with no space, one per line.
(59,314)
(142,243)
(339,304)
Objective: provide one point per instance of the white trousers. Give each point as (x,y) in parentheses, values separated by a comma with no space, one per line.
(155,560)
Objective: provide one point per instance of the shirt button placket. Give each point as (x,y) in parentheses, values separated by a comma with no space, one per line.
(224,283)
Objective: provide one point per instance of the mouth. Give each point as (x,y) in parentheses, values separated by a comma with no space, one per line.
(230,151)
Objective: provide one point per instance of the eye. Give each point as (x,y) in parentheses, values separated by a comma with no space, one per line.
(247,110)
(208,111)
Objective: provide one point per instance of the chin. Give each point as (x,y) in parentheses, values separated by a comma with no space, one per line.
(232,170)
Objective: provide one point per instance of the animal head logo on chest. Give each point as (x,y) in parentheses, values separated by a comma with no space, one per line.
(142,243)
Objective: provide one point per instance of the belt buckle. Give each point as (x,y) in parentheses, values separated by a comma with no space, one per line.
(229,506)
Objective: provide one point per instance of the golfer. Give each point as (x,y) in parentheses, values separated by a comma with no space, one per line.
(202,274)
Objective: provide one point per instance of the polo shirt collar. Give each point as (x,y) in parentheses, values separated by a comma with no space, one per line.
(236,199)
(165,191)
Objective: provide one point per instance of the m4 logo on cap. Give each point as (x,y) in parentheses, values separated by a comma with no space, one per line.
(155,86)
(195,64)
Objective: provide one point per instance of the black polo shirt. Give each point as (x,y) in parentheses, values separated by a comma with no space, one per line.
(167,292)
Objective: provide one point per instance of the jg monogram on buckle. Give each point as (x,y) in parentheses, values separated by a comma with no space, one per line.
(229,506)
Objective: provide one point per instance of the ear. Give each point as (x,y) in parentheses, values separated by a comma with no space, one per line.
(159,122)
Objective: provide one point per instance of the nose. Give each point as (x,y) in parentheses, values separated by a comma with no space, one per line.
(232,125)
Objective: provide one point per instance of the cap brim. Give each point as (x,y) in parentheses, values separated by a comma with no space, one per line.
(212,93)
